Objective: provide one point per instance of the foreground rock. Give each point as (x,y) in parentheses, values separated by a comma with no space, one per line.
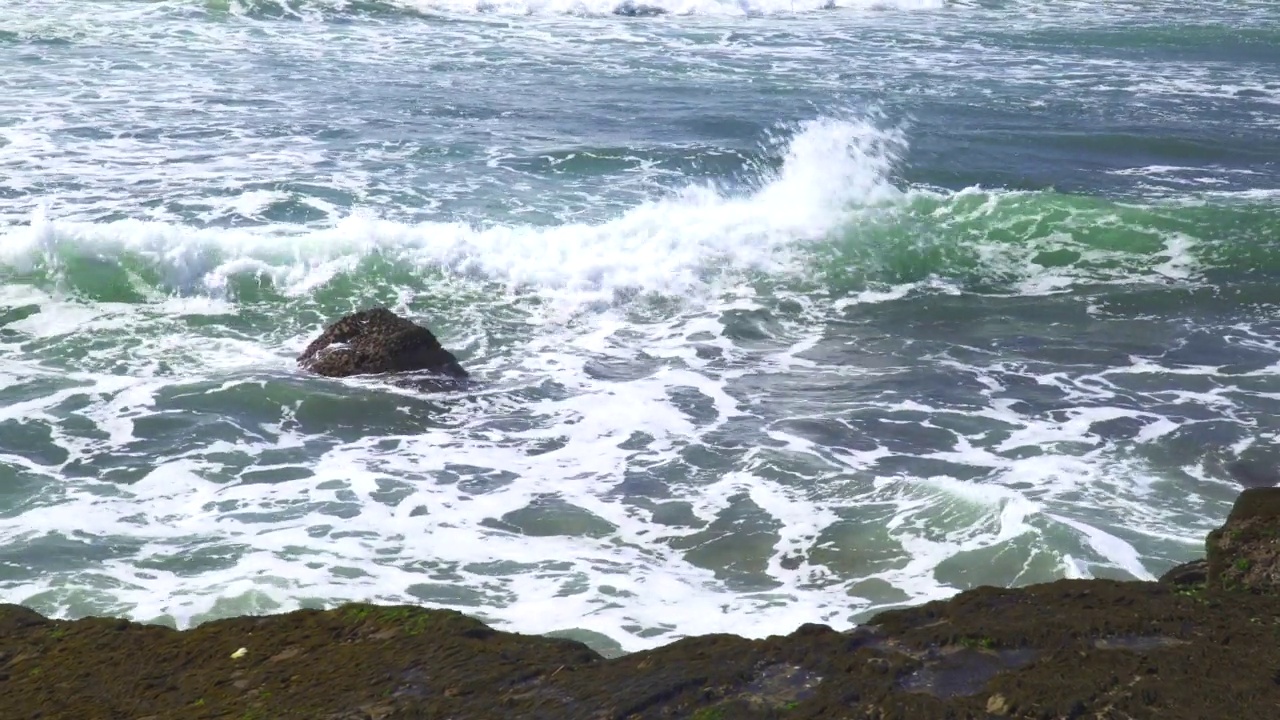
(1244,554)
(1068,649)
(378,341)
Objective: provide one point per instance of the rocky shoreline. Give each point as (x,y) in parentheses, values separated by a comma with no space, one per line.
(1203,643)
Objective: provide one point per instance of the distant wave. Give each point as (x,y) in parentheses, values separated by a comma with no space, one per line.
(637,8)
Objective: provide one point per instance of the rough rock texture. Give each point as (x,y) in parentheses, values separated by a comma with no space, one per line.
(377,341)
(1067,649)
(1195,572)
(1245,552)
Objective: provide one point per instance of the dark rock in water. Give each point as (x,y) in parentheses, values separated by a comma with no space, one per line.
(636,9)
(1244,554)
(378,341)
(1065,649)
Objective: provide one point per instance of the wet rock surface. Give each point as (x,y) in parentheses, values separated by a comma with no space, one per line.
(1067,649)
(377,341)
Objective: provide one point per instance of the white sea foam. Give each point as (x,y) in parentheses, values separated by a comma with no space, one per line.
(435,543)
(709,468)
(325,531)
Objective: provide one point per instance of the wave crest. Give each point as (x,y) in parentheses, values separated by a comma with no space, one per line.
(826,169)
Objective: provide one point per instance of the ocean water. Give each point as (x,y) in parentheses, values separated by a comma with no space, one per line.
(779,312)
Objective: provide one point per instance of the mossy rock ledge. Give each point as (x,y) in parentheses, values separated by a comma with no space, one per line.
(1203,643)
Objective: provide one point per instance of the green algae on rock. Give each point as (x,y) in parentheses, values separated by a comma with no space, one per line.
(1066,649)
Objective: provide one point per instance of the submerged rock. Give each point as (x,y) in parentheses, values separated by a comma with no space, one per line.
(1254,474)
(1066,649)
(378,341)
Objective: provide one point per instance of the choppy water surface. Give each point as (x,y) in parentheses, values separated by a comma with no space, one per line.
(781,312)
